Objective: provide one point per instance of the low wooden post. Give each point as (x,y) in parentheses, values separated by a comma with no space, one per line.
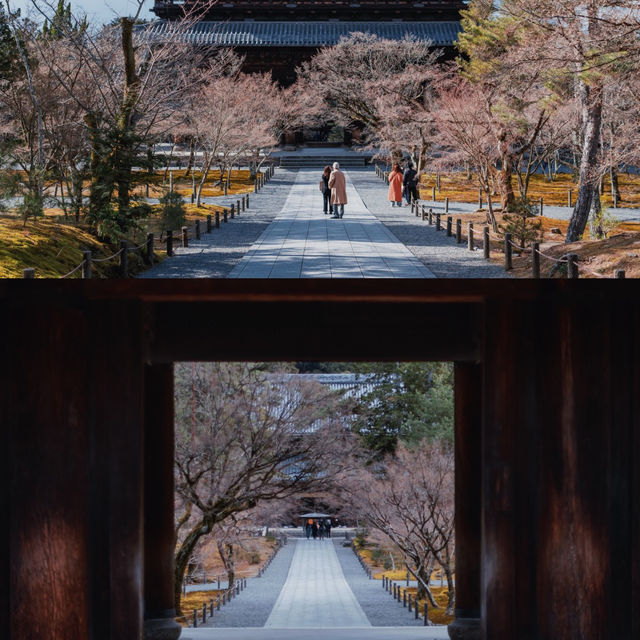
(404,598)
(446,205)
(217,219)
(255,185)
(209,219)
(470,244)
(124,259)
(486,243)
(197,229)
(169,242)
(416,613)
(572,266)
(410,603)
(535,260)
(185,237)
(211,607)
(424,213)
(233,213)
(426,614)
(449,226)
(384,582)
(508,254)
(86,266)
(247,196)
(394,590)
(149,255)
(195,618)
(204,613)
(224,598)
(541,206)
(619,274)
(238,206)
(225,215)
(438,222)
(244,203)
(29,273)
(433,194)
(218,603)
(570,198)
(458,231)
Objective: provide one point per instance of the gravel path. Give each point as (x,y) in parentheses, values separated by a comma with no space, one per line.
(216,253)
(381,609)
(253,606)
(440,254)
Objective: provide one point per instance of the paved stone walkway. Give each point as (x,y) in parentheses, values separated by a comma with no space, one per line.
(303,243)
(371,633)
(316,593)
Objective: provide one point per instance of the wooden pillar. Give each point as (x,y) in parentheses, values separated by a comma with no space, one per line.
(159,543)
(468,428)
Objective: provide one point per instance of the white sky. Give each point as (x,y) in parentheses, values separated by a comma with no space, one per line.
(98,11)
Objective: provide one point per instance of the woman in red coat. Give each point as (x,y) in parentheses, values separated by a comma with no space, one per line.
(395,186)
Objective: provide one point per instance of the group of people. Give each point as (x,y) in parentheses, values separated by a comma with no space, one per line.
(334,191)
(403,184)
(317,530)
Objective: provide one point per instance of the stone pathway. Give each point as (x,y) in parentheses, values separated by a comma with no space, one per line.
(314,589)
(441,255)
(303,243)
(316,593)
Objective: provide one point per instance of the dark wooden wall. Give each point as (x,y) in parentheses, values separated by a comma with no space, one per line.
(559,409)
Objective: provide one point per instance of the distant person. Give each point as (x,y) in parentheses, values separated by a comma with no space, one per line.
(314,530)
(395,186)
(326,190)
(410,183)
(307,529)
(338,184)
(321,530)
(327,527)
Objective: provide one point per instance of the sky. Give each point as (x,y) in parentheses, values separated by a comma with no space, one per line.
(98,11)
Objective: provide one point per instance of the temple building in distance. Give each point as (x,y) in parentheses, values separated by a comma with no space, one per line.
(277,35)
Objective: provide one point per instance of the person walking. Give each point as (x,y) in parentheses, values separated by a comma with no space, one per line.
(338,185)
(410,183)
(321,530)
(327,527)
(326,190)
(395,186)
(307,529)
(314,530)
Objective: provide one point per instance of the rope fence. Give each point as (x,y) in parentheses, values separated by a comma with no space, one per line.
(147,248)
(571,260)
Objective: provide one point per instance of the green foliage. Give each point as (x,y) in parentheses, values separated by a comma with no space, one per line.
(11,66)
(522,222)
(173,211)
(62,23)
(30,207)
(408,402)
(360,540)
(603,224)
(270,537)
(254,558)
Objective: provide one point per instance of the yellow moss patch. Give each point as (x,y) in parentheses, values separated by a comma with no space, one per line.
(458,188)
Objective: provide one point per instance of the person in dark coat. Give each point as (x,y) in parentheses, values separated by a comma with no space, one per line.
(326,189)
(314,530)
(321,530)
(327,527)
(410,184)
(307,529)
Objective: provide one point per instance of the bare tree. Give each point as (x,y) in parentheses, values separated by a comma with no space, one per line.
(410,500)
(244,438)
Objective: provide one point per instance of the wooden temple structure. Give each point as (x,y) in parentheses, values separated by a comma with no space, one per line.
(277,35)
(547,439)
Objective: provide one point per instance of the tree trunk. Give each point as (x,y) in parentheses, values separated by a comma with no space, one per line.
(192,155)
(591,98)
(206,167)
(183,555)
(76,182)
(615,184)
(504,183)
(227,555)
(451,597)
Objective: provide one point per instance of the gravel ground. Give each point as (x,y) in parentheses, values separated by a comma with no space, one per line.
(216,253)
(253,606)
(437,252)
(380,607)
